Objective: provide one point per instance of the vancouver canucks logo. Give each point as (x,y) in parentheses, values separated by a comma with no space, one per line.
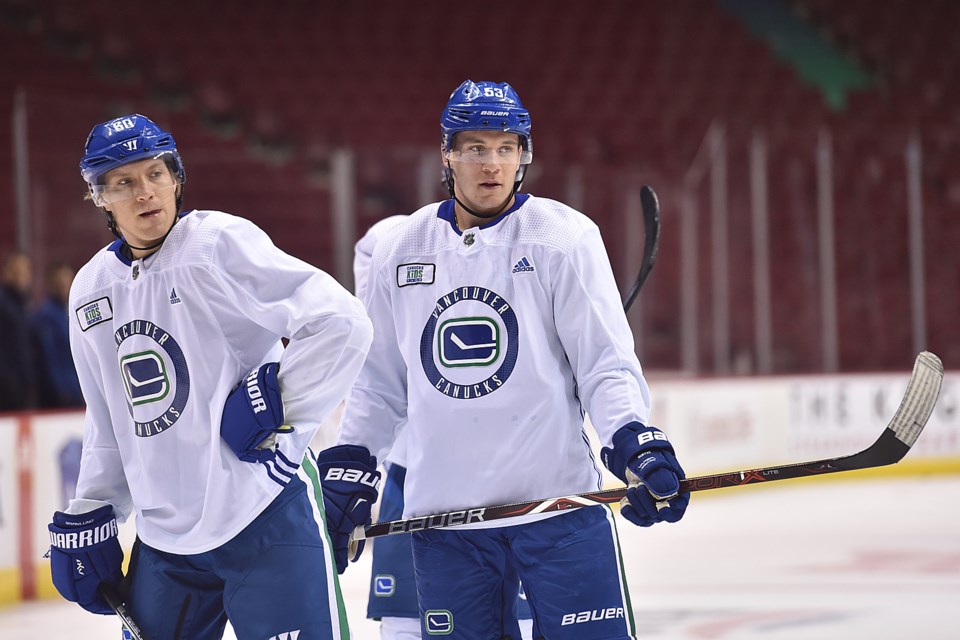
(470,343)
(154,374)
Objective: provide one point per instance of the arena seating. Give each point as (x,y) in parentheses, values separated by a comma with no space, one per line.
(624,91)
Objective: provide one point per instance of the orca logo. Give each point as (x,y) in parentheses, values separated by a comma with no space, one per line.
(470,340)
(384,586)
(155,376)
(439,622)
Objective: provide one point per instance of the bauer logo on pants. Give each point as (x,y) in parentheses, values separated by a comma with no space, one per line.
(438,622)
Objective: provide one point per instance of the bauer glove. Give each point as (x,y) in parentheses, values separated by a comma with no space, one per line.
(348,477)
(643,458)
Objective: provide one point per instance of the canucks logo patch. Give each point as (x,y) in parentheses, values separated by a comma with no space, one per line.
(384,586)
(155,376)
(438,622)
(145,377)
(470,343)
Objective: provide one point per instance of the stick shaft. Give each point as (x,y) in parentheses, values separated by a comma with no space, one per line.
(892,445)
(113,599)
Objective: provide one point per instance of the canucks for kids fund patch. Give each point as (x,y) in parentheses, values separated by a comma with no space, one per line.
(415,274)
(93,313)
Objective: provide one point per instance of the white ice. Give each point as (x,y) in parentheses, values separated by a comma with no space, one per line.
(844,560)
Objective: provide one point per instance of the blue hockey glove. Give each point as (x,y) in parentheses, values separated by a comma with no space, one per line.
(84,551)
(349,477)
(644,459)
(252,415)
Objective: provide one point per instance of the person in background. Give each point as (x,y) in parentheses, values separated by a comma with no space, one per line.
(393,591)
(17,373)
(57,382)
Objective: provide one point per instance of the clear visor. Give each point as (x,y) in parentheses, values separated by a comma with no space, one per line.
(157,179)
(482,154)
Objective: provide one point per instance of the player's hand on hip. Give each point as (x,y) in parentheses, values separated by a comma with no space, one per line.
(644,459)
(85,552)
(253,415)
(348,477)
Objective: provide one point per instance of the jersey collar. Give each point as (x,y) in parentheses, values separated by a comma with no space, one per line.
(447,207)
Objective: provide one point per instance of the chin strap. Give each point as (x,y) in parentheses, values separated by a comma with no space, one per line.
(516,186)
(112,225)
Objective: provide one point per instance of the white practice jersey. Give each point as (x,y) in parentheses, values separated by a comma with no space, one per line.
(362,253)
(363,250)
(159,343)
(493,343)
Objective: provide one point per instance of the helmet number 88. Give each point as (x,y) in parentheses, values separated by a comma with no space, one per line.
(493,92)
(122,124)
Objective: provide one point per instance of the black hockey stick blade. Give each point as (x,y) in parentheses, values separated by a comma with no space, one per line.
(113,599)
(651,241)
(892,445)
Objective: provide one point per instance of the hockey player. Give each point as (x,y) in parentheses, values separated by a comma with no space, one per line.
(393,597)
(497,325)
(198,419)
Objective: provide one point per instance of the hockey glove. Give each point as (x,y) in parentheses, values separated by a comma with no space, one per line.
(253,414)
(644,459)
(349,477)
(84,552)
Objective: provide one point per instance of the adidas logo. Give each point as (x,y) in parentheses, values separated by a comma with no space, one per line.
(174,299)
(522,265)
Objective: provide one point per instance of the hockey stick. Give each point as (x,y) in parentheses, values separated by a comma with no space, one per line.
(113,599)
(894,443)
(651,240)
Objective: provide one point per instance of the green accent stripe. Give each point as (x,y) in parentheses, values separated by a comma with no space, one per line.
(310,468)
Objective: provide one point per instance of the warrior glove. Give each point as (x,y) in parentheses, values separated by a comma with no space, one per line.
(85,552)
(643,458)
(253,415)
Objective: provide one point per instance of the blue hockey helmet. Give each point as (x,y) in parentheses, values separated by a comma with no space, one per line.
(486,106)
(123,140)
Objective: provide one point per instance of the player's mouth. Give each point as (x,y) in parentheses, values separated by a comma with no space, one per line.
(151,214)
(490,185)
